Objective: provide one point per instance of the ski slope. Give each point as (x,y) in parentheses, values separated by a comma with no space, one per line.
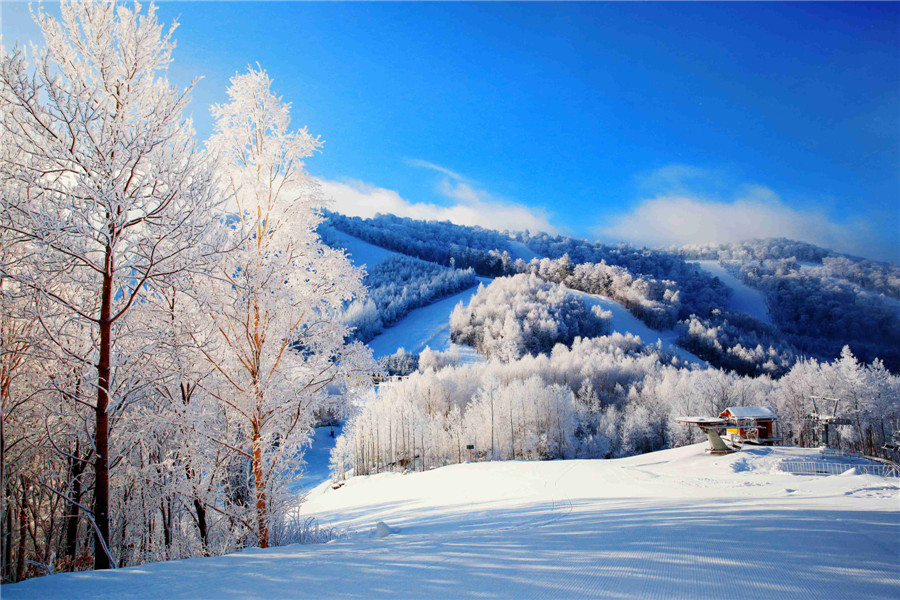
(361,253)
(625,322)
(671,524)
(425,326)
(744,299)
(429,326)
(520,250)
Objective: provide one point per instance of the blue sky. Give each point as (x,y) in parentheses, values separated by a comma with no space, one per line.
(649,123)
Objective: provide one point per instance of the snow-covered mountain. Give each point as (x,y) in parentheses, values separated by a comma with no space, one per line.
(753,308)
(586,350)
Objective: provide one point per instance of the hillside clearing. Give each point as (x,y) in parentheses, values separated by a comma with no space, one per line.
(625,322)
(361,253)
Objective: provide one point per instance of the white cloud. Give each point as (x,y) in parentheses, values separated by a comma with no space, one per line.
(666,220)
(680,179)
(687,207)
(470,206)
(418,162)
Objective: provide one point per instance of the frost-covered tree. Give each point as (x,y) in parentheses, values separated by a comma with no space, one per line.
(279,294)
(524,314)
(109,187)
(602,397)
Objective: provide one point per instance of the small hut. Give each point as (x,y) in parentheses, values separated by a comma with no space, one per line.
(753,424)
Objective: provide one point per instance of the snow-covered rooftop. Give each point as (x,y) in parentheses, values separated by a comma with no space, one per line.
(701,420)
(750,412)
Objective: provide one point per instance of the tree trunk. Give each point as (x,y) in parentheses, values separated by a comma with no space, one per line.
(76,468)
(167,527)
(202,526)
(261,519)
(101,435)
(492,424)
(7,536)
(862,441)
(23,531)
(512,435)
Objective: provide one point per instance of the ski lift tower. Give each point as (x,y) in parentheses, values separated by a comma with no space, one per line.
(822,420)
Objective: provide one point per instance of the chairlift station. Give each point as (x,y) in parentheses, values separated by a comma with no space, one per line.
(736,426)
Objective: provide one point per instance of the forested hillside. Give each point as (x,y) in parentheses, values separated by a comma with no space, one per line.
(557,383)
(818,301)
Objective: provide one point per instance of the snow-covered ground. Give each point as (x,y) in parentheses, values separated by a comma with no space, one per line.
(361,253)
(671,524)
(745,299)
(625,322)
(425,326)
(520,250)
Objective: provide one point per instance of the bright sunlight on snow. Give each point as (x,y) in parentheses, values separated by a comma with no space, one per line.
(670,524)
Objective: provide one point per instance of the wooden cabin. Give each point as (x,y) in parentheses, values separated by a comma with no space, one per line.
(752,424)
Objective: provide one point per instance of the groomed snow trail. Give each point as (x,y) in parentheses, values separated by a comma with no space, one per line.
(671,524)
(361,253)
(425,326)
(745,299)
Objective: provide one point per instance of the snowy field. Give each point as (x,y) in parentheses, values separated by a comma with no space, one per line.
(671,524)
(745,298)
(425,326)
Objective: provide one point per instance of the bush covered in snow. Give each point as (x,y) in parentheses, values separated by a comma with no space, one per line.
(524,315)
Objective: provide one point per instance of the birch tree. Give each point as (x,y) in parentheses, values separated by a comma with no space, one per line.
(277,307)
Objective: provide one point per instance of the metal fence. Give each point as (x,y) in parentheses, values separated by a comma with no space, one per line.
(840,452)
(833,468)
